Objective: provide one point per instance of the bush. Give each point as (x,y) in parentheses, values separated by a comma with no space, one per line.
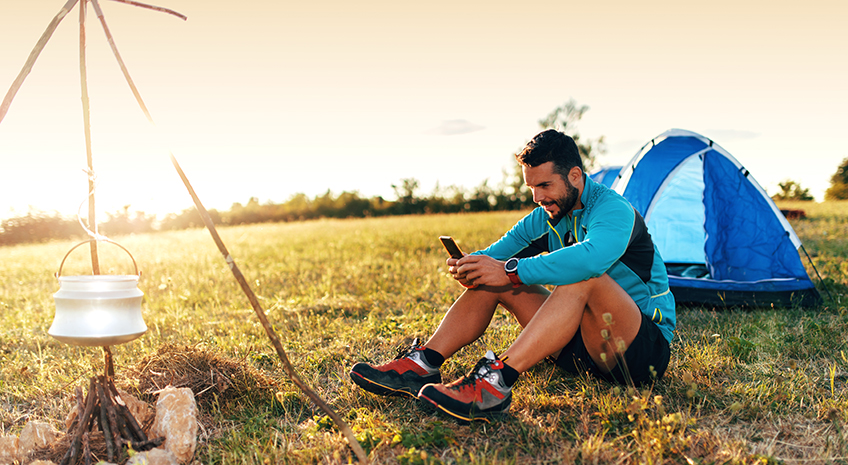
(37,226)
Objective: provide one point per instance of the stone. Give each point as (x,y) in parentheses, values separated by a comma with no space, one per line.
(153,457)
(176,421)
(140,410)
(69,419)
(8,450)
(36,434)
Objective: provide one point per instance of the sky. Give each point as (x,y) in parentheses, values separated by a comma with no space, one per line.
(267,99)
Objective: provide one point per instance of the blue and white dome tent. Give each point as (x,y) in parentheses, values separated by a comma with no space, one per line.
(606,175)
(723,240)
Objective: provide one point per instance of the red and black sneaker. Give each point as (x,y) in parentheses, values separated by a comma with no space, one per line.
(404,376)
(478,396)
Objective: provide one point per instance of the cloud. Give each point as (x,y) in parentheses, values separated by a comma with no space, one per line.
(454,127)
(719,135)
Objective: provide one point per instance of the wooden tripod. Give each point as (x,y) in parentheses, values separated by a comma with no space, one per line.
(106,385)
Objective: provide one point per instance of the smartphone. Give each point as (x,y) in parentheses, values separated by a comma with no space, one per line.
(451,247)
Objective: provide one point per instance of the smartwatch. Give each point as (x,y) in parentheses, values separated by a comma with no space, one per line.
(511,268)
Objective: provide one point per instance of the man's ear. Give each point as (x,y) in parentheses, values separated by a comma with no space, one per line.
(575,175)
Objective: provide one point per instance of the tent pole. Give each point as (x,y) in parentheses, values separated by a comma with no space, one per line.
(817,273)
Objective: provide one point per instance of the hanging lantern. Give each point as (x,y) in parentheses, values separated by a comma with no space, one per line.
(97,310)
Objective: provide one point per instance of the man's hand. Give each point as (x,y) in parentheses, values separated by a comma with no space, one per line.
(453,269)
(478,270)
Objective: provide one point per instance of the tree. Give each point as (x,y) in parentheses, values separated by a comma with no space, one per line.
(188,218)
(513,194)
(121,222)
(37,226)
(791,190)
(407,201)
(565,118)
(838,189)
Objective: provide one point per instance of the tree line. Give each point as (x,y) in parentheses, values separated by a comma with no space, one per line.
(838,190)
(510,194)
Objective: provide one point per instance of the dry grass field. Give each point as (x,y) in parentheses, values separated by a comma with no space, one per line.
(766,385)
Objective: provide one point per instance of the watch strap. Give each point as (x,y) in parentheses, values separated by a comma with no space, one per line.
(513,275)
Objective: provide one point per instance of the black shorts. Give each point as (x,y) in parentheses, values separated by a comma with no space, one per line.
(648,349)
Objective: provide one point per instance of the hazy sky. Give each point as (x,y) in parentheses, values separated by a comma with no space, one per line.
(272,98)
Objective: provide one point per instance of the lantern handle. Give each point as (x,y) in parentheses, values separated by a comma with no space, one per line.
(61,265)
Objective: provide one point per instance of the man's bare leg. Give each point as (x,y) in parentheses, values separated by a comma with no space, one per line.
(470,315)
(578,306)
(466,321)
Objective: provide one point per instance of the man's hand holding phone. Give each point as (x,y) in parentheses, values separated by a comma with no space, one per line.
(474,269)
(455,255)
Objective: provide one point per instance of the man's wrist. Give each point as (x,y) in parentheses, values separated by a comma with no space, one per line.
(511,269)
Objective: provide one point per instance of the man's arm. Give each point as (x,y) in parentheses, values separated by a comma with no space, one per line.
(607,236)
(520,237)
(486,267)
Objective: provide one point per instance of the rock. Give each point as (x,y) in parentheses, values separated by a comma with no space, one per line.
(34,435)
(69,419)
(153,457)
(176,421)
(41,462)
(8,450)
(141,411)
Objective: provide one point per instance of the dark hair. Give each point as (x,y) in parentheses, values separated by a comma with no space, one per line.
(552,145)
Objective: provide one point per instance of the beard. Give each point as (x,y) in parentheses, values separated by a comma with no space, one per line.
(564,204)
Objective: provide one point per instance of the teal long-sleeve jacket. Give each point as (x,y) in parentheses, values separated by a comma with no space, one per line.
(606,236)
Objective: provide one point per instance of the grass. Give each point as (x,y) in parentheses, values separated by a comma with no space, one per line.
(757,386)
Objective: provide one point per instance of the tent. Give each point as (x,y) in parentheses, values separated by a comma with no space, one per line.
(606,175)
(723,240)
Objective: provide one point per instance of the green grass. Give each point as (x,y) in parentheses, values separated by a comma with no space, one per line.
(760,386)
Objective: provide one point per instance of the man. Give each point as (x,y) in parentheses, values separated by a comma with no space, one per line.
(611,313)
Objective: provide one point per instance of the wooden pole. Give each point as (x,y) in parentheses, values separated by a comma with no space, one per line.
(257,308)
(154,8)
(86,123)
(117,54)
(19,80)
(254,301)
(33,55)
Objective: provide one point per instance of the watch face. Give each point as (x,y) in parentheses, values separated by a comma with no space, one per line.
(511,265)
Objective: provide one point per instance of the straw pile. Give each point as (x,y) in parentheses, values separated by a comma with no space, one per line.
(213,377)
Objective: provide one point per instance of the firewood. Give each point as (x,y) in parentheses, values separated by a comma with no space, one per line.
(81,428)
(86,449)
(106,426)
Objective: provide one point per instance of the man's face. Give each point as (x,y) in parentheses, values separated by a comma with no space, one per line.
(557,195)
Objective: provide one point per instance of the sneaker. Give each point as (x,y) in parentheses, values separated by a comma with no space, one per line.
(404,376)
(478,396)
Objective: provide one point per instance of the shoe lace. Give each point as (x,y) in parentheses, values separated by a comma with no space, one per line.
(406,351)
(480,370)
